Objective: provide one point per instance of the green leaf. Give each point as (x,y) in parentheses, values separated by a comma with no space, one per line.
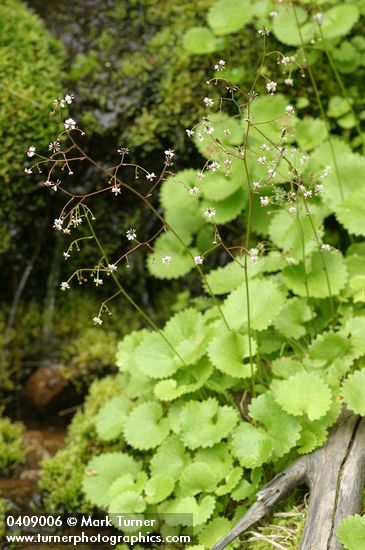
(310,132)
(127,347)
(350,169)
(102,471)
(351,532)
(228,131)
(110,419)
(282,428)
(218,458)
(158,488)
(285,26)
(283,367)
(339,20)
(295,276)
(128,502)
(127,482)
(227,351)
(201,509)
(266,301)
(304,393)
(200,40)
(197,477)
(214,531)
(186,380)
(251,446)
(229,16)
(223,279)
(356,328)
(231,481)
(313,435)
(228,208)
(351,213)
(337,106)
(328,347)
(218,421)
(293,315)
(353,392)
(155,358)
(181,261)
(170,458)
(145,427)
(187,333)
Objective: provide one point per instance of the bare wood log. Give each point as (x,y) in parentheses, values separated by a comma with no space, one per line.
(335,476)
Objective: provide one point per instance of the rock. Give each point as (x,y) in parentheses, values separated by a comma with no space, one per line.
(46,388)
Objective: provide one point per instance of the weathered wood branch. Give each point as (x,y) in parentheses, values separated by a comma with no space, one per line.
(335,477)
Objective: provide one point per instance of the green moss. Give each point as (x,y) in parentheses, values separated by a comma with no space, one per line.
(12,448)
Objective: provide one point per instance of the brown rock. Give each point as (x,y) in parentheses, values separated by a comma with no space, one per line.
(46,387)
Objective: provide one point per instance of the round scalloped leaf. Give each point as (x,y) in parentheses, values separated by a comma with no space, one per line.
(181,261)
(251,446)
(128,502)
(356,328)
(182,210)
(110,419)
(351,213)
(170,458)
(185,325)
(224,279)
(197,477)
(310,132)
(201,509)
(102,471)
(351,532)
(266,301)
(283,367)
(127,482)
(328,347)
(229,16)
(145,427)
(227,351)
(127,347)
(287,231)
(312,436)
(285,26)
(200,40)
(228,208)
(292,317)
(353,392)
(155,358)
(351,168)
(339,20)
(218,421)
(186,380)
(304,393)
(158,488)
(282,428)
(216,186)
(215,530)
(231,481)
(218,458)
(295,276)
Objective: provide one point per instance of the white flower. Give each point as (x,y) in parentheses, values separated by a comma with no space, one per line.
(151,176)
(289,109)
(208,102)
(271,87)
(307,193)
(57,224)
(166,260)
(69,124)
(318,18)
(289,81)
(256,185)
(290,260)
(194,191)
(131,234)
(326,247)
(169,153)
(97,320)
(28,171)
(265,147)
(285,60)
(254,260)
(98,281)
(200,175)
(220,65)
(264,201)
(198,260)
(64,286)
(69,98)
(59,102)
(31,151)
(123,150)
(213,166)
(111,268)
(66,255)
(227,132)
(263,32)
(189,133)
(54,146)
(292,210)
(262,160)
(319,189)
(208,130)
(77,221)
(253,252)
(116,190)
(273,14)
(210,212)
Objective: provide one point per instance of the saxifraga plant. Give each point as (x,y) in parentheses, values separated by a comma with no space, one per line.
(256,374)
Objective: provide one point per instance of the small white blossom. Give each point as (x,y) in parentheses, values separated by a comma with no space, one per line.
(318,18)
(194,191)
(200,137)
(289,82)
(262,160)
(131,234)
(59,102)
(166,260)
(97,320)
(220,65)
(66,255)
(271,87)
(227,132)
(290,260)
(265,147)
(208,130)
(151,176)
(307,193)
(210,212)
(326,247)
(256,185)
(64,286)
(273,14)
(200,175)
(208,102)
(198,260)
(31,151)
(123,150)
(69,98)
(28,171)
(304,158)
(69,124)
(98,281)
(285,60)
(77,221)
(263,32)
(264,201)
(326,172)
(213,166)
(111,268)
(254,260)
(169,153)
(318,189)
(116,190)
(289,109)
(57,224)
(189,133)
(54,146)
(292,210)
